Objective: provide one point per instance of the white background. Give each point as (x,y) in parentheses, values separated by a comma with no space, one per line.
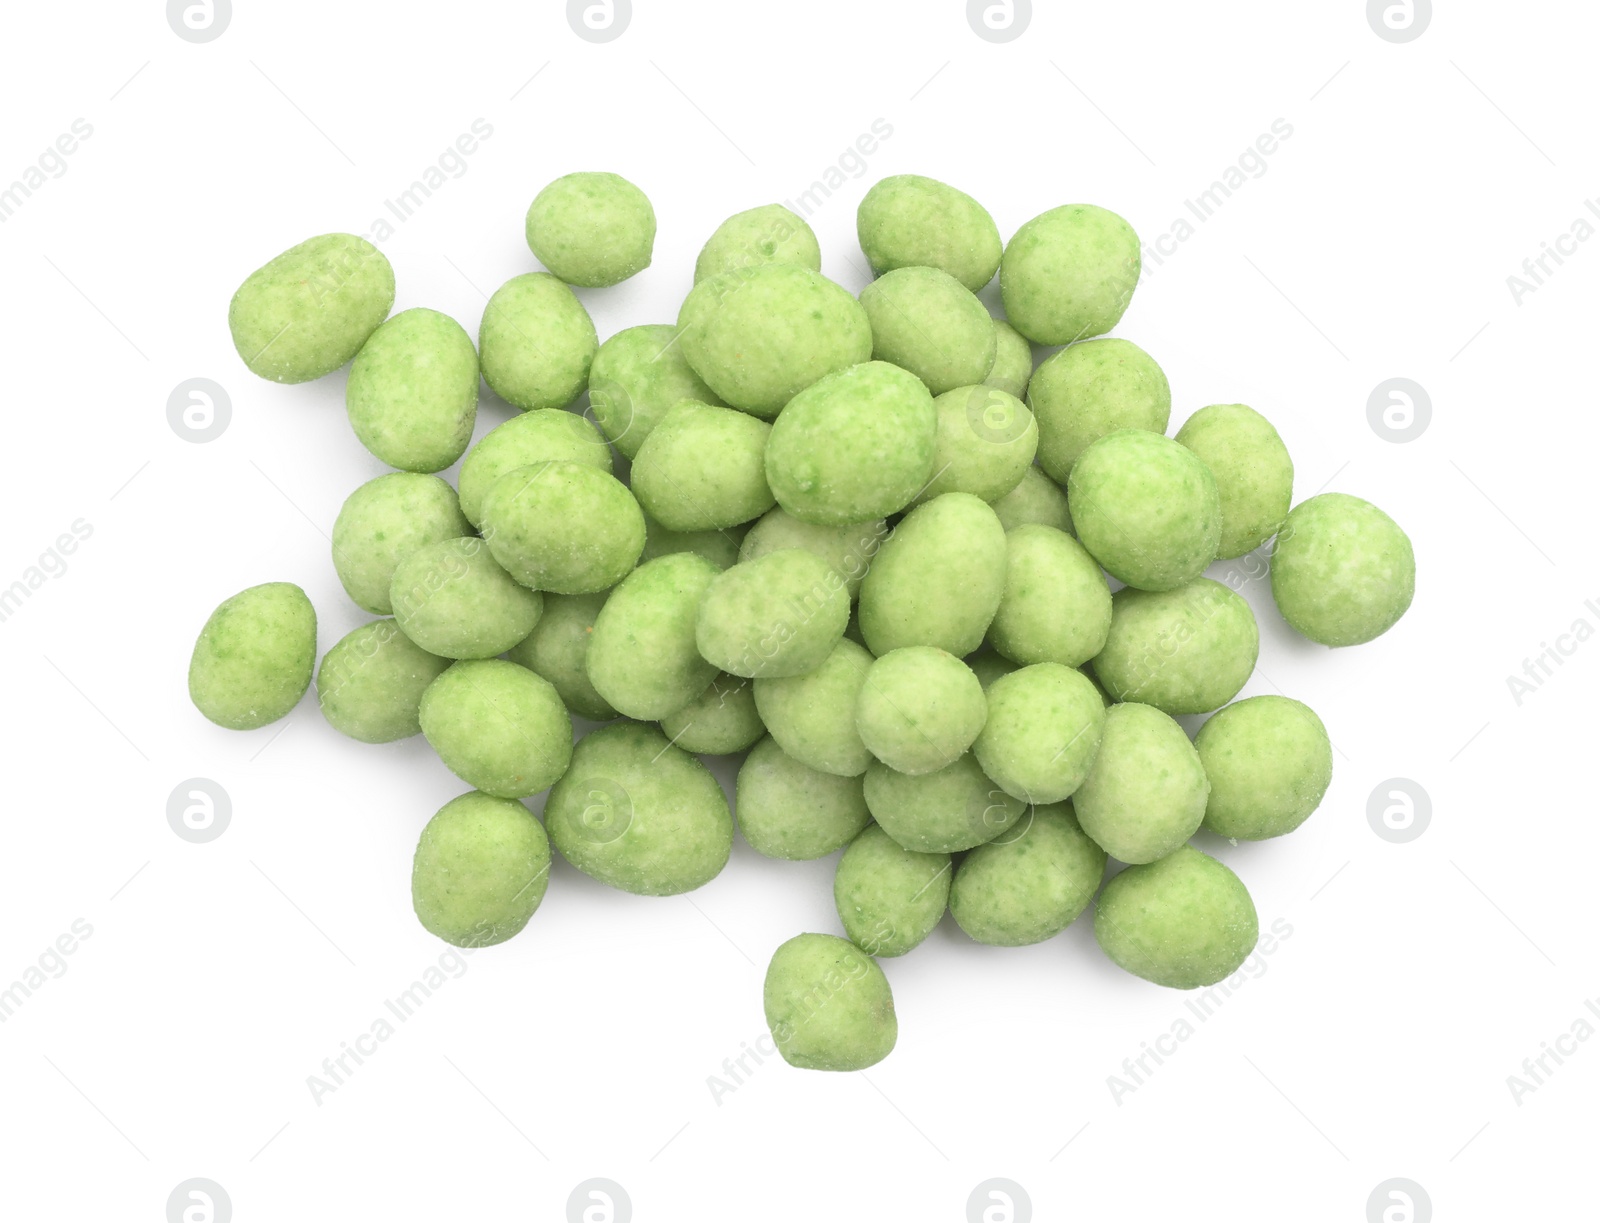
(1378,1039)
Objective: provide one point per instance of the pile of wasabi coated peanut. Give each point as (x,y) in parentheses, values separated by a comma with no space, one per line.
(864,541)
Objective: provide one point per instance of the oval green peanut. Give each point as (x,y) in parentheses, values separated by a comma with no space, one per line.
(786,809)
(889,898)
(1029,883)
(908,220)
(642,656)
(1146,794)
(563,527)
(252,661)
(1187,650)
(828,1005)
(497,726)
(1069,274)
(591,228)
(383,522)
(812,717)
(370,684)
(536,343)
(481,868)
(412,396)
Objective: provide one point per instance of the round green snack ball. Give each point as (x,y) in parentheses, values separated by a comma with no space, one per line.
(252,662)
(541,436)
(1056,606)
(720,547)
(889,898)
(642,656)
(638,375)
(311,309)
(1342,571)
(1183,922)
(926,321)
(812,717)
(1089,390)
(1269,762)
(563,527)
(938,579)
(718,722)
(919,709)
(940,813)
(1146,508)
(383,522)
(1037,499)
(1042,734)
(640,815)
(703,468)
(1013,360)
(828,1005)
(370,684)
(1069,274)
(480,871)
(1146,793)
(780,614)
(412,396)
(911,221)
(848,548)
(1029,883)
(788,810)
(984,445)
(454,600)
(1187,650)
(497,726)
(1255,476)
(761,336)
(558,649)
(536,343)
(592,229)
(758,236)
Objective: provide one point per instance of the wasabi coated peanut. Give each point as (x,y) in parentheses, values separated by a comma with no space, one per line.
(781,614)
(252,662)
(1269,762)
(454,600)
(558,649)
(563,527)
(812,717)
(848,548)
(940,813)
(1037,499)
(1187,650)
(919,709)
(638,814)
(984,445)
(1255,476)
(855,446)
(828,1005)
(1043,732)
(1013,360)
(592,229)
(383,522)
(1091,389)
(759,337)
(370,684)
(412,396)
(938,579)
(536,343)
(1056,606)
(721,720)
(889,898)
(720,547)
(787,810)
(1069,274)
(311,309)
(1183,922)
(703,468)
(1146,793)
(927,322)
(768,234)
(1029,883)
(911,221)
(497,726)
(480,871)
(539,436)
(642,656)
(1343,571)
(638,375)
(1146,508)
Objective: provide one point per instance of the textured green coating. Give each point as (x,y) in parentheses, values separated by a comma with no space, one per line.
(540,436)
(761,336)
(1069,274)
(1029,883)
(454,600)
(558,649)
(498,727)
(780,614)
(563,527)
(1343,571)
(813,716)
(1269,761)
(940,813)
(412,396)
(1146,793)
(1043,731)
(591,229)
(938,579)
(1183,922)
(1255,476)
(252,661)
(703,468)
(370,684)
(1146,508)
(848,548)
(639,814)
(757,236)
(1187,650)
(637,375)
(927,322)
(984,445)
(310,309)
(828,1005)
(1037,499)
(788,810)
(383,522)
(721,720)
(1013,360)
(1056,606)
(720,547)
(907,220)
(889,898)
(481,869)
(919,709)
(642,656)
(1091,389)
(536,343)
